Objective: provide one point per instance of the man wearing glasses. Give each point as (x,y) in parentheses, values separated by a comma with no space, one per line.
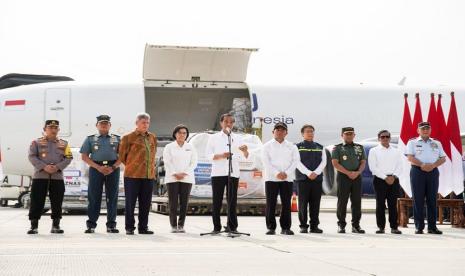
(349,160)
(386,166)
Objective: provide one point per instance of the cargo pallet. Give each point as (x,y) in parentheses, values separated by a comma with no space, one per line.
(203,206)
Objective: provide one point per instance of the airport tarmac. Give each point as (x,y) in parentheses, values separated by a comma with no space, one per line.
(164,253)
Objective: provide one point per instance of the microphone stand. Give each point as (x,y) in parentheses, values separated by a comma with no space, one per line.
(231,234)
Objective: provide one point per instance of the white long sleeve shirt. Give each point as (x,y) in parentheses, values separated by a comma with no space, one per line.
(384,161)
(280,157)
(179,159)
(319,170)
(218,144)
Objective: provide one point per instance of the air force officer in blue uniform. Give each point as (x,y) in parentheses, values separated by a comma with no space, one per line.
(426,155)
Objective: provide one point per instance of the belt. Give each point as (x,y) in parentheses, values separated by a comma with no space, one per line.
(419,168)
(105,163)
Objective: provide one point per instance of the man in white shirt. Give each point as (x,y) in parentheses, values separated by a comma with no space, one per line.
(280,158)
(309,179)
(218,152)
(385,163)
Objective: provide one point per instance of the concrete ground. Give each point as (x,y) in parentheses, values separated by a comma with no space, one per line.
(164,253)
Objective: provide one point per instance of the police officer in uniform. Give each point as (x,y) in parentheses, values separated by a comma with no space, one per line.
(50,156)
(349,160)
(100,152)
(426,155)
(309,179)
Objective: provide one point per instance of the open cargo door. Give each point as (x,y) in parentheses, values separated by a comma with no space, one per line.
(194,86)
(196,63)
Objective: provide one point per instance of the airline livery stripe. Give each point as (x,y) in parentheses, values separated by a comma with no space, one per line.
(15,102)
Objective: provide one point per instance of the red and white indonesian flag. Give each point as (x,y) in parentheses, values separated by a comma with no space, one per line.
(451,174)
(443,137)
(407,132)
(456,181)
(417,116)
(432,117)
(12,105)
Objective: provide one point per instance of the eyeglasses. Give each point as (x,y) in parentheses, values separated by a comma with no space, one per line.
(384,136)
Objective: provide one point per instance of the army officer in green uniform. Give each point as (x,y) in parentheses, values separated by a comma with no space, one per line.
(100,152)
(349,160)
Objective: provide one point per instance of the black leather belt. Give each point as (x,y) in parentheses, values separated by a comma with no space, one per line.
(106,163)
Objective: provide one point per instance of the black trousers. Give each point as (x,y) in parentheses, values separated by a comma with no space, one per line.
(309,198)
(56,189)
(284,189)
(390,193)
(348,188)
(219,183)
(178,191)
(134,189)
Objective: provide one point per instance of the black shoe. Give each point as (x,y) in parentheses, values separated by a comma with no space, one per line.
(89,230)
(434,231)
(234,232)
(181,229)
(56,227)
(396,231)
(145,232)
(303,230)
(316,230)
(418,231)
(271,232)
(129,231)
(56,230)
(112,230)
(358,230)
(216,232)
(380,231)
(287,232)
(34,226)
(32,231)
(341,230)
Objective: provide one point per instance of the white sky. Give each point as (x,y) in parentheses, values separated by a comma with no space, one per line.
(304,42)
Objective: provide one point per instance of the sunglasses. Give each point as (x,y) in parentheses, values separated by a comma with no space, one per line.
(384,136)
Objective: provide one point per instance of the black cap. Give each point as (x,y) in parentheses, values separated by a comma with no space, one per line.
(55,123)
(280,125)
(424,125)
(347,129)
(103,118)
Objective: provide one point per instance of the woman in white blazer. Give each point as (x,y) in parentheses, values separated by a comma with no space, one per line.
(180,160)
